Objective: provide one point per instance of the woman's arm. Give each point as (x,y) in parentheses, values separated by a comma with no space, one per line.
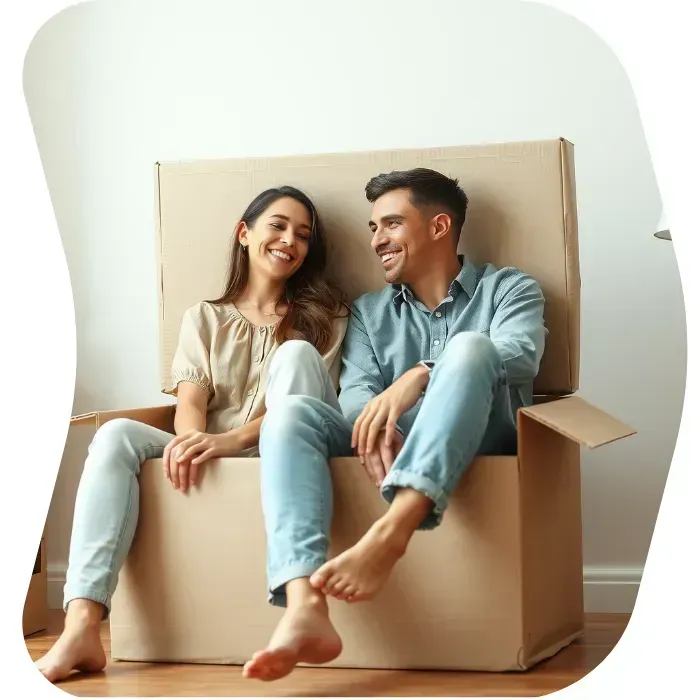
(191,410)
(190,419)
(247,435)
(193,445)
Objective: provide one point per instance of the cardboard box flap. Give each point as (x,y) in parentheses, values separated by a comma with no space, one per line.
(160,417)
(579,421)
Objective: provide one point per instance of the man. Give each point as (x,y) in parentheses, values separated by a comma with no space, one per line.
(434,368)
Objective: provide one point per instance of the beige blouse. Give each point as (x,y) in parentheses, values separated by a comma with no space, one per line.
(229,357)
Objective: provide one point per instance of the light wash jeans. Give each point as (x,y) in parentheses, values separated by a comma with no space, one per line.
(107,502)
(466,410)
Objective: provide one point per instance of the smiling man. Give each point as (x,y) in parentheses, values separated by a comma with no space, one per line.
(435,367)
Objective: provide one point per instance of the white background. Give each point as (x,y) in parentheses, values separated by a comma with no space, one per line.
(38,347)
(114,87)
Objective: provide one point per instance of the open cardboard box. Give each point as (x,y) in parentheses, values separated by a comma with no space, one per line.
(499,586)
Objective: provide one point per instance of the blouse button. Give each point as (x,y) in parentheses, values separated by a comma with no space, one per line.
(251,392)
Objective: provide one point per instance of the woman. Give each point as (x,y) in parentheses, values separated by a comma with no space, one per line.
(275,292)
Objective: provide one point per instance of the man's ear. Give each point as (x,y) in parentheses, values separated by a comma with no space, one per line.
(442,226)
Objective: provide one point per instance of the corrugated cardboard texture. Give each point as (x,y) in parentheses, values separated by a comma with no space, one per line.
(522,212)
(193,587)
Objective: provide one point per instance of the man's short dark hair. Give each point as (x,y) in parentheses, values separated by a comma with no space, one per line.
(427,188)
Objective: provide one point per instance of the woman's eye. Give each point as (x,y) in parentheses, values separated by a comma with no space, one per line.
(276,226)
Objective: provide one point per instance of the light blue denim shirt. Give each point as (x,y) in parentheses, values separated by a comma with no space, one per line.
(390,331)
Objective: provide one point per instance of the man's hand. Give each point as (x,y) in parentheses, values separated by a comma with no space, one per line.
(184,453)
(379,461)
(383,411)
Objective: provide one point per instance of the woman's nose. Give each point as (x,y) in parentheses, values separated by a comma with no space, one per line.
(287,237)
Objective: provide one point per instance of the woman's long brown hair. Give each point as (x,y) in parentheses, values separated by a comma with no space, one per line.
(313,301)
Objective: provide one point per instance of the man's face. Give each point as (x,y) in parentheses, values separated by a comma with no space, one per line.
(401,236)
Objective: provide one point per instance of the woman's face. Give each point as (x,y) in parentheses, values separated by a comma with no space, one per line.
(279,240)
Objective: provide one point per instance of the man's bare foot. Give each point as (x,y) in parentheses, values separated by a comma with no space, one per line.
(79,647)
(304,635)
(360,572)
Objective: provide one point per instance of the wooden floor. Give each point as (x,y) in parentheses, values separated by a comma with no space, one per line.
(157,680)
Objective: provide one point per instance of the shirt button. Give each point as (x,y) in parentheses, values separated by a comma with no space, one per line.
(251,392)
(436,342)
(257,358)
(439,314)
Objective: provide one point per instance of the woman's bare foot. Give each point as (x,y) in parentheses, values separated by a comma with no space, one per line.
(304,635)
(360,572)
(79,647)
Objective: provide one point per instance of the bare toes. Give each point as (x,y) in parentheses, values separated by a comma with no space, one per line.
(352,595)
(334,581)
(344,592)
(248,672)
(338,590)
(337,585)
(319,579)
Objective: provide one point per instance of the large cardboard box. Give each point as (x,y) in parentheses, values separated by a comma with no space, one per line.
(499,586)
(36,612)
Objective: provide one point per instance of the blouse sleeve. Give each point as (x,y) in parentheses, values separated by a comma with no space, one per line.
(191,360)
(331,357)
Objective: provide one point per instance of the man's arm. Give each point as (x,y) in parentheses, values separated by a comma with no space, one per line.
(517,329)
(360,377)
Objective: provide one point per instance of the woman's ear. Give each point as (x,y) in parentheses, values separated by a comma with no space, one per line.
(242,234)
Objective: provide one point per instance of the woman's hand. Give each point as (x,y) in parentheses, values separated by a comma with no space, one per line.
(185,453)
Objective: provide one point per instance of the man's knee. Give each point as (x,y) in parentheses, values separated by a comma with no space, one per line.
(289,415)
(472,351)
(293,354)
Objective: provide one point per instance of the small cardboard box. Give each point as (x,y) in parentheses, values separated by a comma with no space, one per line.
(36,611)
(499,585)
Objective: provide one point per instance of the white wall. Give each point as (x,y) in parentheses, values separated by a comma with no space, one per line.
(114,86)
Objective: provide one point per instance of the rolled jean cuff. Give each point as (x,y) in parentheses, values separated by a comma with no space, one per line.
(406,479)
(277,595)
(87,594)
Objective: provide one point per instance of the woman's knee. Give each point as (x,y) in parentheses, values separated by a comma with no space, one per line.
(120,435)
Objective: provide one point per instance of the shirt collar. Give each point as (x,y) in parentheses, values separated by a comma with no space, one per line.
(466,279)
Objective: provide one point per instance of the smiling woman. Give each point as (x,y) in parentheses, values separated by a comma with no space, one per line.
(276,291)
(279,235)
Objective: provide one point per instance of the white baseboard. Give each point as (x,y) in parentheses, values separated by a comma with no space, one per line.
(605,589)
(55,580)
(610,589)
